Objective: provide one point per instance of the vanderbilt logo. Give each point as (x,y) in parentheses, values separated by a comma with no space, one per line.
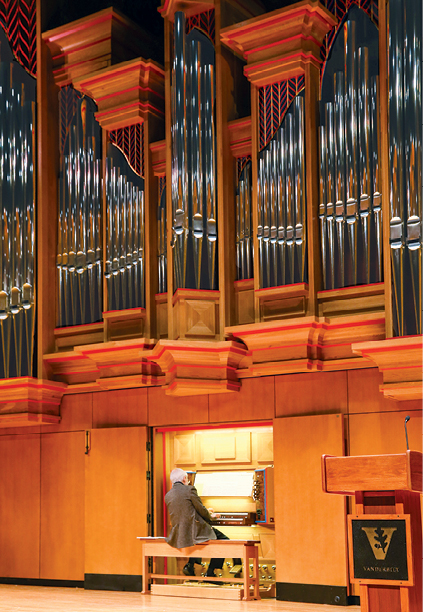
(379,539)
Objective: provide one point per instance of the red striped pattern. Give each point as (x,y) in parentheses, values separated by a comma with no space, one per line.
(130,141)
(274,101)
(204,22)
(18,18)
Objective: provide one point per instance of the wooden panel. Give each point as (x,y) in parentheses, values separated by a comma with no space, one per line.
(364,395)
(225,448)
(184,449)
(265,447)
(311,530)
(62,506)
(19,506)
(126,407)
(243,406)
(311,393)
(76,411)
(378,433)
(166,410)
(366,473)
(115,501)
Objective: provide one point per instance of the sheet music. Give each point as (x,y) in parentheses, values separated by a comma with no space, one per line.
(224,483)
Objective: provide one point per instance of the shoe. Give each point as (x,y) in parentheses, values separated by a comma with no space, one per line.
(189,570)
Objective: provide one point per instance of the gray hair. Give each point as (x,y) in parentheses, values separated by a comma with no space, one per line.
(177,474)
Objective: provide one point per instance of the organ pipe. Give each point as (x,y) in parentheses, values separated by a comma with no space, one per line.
(79,259)
(282,202)
(125,263)
(349,173)
(193,161)
(17,199)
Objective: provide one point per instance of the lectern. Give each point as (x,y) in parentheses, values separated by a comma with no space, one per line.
(385,533)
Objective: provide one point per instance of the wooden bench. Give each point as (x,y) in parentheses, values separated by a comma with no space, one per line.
(156,546)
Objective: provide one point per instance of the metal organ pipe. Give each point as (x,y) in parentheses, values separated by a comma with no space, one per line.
(79,242)
(193,161)
(17,146)
(349,173)
(281,190)
(124,235)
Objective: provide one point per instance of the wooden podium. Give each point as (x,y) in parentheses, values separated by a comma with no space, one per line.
(385,533)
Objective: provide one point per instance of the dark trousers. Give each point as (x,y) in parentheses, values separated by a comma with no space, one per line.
(218,562)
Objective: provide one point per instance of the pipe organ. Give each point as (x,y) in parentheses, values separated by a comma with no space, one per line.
(282,202)
(405,157)
(350,210)
(79,250)
(193,159)
(244,237)
(17,207)
(124,233)
(161,235)
(244,208)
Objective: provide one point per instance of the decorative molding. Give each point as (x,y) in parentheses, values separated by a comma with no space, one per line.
(124,323)
(246,9)
(125,93)
(400,361)
(200,367)
(196,314)
(283,301)
(85,334)
(279,44)
(26,401)
(114,364)
(240,137)
(91,44)
(307,344)
(350,300)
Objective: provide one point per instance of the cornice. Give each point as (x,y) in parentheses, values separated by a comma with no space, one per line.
(26,401)
(280,44)
(400,362)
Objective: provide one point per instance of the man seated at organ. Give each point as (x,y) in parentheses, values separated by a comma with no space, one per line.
(191,521)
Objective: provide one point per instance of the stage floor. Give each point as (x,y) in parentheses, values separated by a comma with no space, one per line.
(28,598)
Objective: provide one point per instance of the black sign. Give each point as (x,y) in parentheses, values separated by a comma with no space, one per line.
(380,549)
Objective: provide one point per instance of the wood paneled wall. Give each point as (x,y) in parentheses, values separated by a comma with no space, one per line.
(310,525)
(20,506)
(45,489)
(62,506)
(115,500)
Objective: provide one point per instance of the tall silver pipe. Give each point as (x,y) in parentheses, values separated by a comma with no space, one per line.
(281,203)
(396,156)
(260,218)
(330,191)
(365,168)
(351,136)
(180,202)
(340,203)
(290,220)
(413,150)
(301,187)
(273,152)
(323,200)
(197,110)
(247,224)
(211,173)
(376,187)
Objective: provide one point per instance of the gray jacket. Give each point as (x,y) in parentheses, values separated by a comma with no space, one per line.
(189,517)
